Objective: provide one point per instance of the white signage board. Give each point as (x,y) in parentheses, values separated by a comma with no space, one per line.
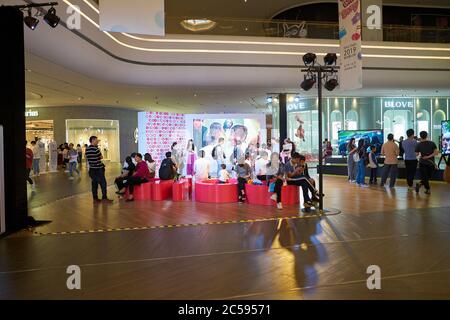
(132,16)
(350,44)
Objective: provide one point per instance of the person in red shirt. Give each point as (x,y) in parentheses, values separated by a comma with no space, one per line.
(141,175)
(29,164)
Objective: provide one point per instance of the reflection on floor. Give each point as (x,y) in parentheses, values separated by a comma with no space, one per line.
(326,257)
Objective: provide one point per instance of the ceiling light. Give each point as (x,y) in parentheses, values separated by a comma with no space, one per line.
(269,99)
(331,84)
(330,59)
(308,83)
(291,99)
(309,59)
(51,18)
(197,25)
(30,21)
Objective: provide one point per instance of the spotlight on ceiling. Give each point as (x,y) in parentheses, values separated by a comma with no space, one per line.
(309,59)
(330,59)
(308,83)
(269,99)
(30,21)
(51,18)
(331,84)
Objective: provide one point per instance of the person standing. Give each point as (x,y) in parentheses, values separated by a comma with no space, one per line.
(190,157)
(96,170)
(361,177)
(36,158)
(373,165)
(201,167)
(391,151)
(73,161)
(427,165)
(29,164)
(409,147)
(400,146)
(351,164)
(80,154)
(218,154)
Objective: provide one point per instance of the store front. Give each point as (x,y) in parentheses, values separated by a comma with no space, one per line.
(115,127)
(392,115)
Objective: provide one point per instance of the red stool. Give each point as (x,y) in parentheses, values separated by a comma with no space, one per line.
(260,195)
(162,190)
(210,191)
(180,190)
(143,191)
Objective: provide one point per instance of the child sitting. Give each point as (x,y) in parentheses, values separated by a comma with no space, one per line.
(224,175)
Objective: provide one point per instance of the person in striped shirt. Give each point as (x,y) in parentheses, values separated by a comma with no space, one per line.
(96,170)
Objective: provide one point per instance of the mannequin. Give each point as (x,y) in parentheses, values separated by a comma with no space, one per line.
(43,159)
(53,156)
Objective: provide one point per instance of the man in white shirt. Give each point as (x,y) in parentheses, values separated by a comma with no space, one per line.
(201,167)
(261,166)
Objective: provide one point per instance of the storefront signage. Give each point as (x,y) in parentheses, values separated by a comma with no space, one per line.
(399,104)
(32,113)
(296,106)
(350,44)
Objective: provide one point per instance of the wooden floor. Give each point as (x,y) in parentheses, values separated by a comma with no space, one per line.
(310,257)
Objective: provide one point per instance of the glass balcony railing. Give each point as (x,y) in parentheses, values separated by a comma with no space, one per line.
(296,29)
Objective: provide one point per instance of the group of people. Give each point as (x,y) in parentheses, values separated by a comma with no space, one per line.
(416,152)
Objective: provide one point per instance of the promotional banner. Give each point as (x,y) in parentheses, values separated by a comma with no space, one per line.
(132,16)
(350,44)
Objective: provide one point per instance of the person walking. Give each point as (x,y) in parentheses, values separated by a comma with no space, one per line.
(351,164)
(409,147)
(427,165)
(36,158)
(73,161)
(391,151)
(80,154)
(29,164)
(362,155)
(96,170)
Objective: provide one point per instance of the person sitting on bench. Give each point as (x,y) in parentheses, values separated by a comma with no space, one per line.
(141,175)
(297,174)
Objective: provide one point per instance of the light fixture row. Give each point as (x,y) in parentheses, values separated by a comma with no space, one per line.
(50,17)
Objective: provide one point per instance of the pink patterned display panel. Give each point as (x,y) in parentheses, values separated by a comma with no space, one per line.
(161,130)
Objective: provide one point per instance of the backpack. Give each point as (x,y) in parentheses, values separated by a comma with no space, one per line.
(166,170)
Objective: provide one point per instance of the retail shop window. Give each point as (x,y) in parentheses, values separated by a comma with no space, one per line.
(303,129)
(78,131)
(336,120)
(397,122)
(352,120)
(423,121)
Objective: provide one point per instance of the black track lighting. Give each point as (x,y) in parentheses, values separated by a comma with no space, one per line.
(308,83)
(330,59)
(331,84)
(30,21)
(309,59)
(51,18)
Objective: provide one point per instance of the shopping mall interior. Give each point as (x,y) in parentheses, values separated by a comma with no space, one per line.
(239,72)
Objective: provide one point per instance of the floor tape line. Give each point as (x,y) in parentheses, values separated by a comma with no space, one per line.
(171,226)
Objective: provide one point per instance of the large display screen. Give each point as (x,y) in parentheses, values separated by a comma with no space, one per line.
(235,131)
(445,145)
(371,137)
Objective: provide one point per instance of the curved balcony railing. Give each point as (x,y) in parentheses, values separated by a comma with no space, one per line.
(296,29)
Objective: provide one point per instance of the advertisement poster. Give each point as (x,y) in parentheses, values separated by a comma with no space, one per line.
(350,44)
(445,148)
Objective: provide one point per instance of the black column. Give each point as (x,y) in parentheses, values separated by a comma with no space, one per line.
(12,116)
(283,118)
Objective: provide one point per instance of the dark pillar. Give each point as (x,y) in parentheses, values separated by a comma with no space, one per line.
(283,118)
(12,116)
(319,167)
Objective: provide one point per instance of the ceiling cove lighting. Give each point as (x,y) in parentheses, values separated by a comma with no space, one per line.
(418,57)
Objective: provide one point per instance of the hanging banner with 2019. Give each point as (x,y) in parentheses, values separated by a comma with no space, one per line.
(350,44)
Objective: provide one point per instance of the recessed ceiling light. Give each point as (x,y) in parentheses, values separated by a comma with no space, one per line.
(197,25)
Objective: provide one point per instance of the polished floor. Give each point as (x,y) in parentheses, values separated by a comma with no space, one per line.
(235,251)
